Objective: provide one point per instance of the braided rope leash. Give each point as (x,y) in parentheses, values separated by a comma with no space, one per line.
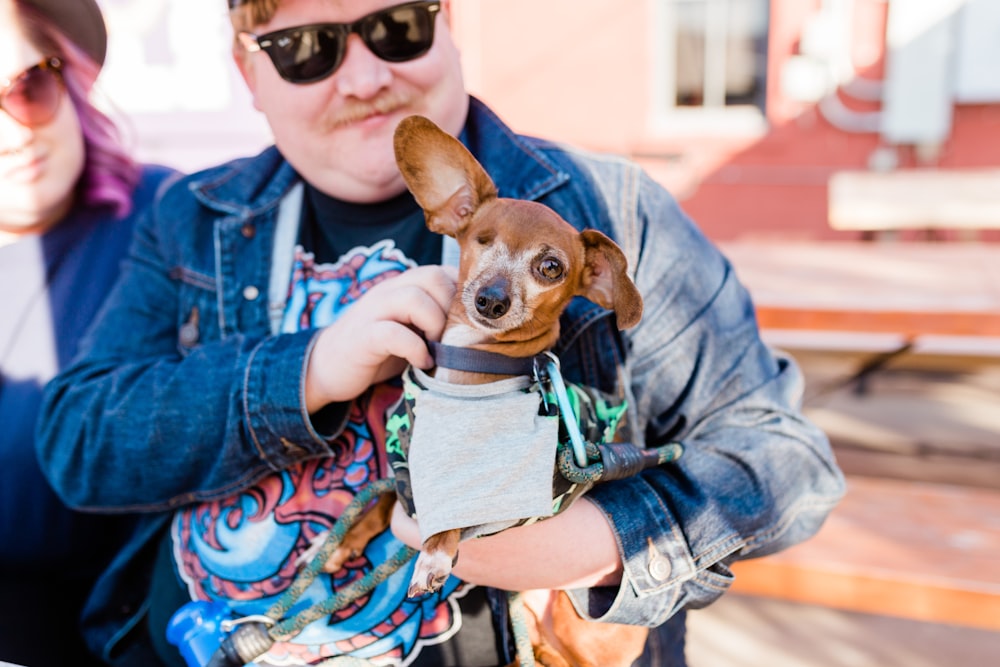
(613,460)
(252,636)
(294,625)
(519,625)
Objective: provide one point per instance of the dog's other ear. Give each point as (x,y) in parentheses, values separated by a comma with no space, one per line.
(444,177)
(605,279)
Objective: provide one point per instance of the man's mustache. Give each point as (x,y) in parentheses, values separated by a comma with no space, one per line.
(354,111)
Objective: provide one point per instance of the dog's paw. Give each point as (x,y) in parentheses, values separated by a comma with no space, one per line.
(341,555)
(429,574)
(334,563)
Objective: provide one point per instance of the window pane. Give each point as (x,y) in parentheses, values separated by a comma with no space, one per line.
(721,53)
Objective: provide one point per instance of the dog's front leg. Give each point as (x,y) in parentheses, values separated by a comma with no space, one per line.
(438,555)
(372,522)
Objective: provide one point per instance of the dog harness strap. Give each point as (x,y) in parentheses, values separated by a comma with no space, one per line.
(480,361)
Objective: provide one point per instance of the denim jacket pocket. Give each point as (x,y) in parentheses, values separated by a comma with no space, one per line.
(197,319)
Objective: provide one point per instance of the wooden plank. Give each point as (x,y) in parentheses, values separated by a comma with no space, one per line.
(914,550)
(914,199)
(907,323)
(906,289)
(866,593)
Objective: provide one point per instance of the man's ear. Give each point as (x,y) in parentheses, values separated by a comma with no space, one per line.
(446,11)
(246,68)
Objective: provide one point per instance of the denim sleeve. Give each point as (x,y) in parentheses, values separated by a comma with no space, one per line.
(133,423)
(755,476)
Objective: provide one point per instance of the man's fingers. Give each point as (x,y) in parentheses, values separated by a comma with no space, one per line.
(438,282)
(371,340)
(393,339)
(410,305)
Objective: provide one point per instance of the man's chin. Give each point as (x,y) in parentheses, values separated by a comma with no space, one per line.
(363,185)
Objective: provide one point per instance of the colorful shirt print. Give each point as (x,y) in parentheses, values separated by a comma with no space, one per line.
(243,550)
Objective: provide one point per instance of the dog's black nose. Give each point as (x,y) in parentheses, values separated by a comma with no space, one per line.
(492,301)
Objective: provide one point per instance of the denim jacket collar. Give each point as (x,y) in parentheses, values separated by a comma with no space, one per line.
(519,170)
(248,187)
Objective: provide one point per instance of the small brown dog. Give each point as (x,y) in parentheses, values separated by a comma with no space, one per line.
(520,265)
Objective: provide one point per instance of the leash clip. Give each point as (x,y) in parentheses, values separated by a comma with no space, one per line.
(230,624)
(547,372)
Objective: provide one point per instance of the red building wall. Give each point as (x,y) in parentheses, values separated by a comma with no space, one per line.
(580,71)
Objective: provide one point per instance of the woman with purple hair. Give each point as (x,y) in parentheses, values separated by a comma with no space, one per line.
(69,193)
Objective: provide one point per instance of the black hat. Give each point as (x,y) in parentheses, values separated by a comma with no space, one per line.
(81,21)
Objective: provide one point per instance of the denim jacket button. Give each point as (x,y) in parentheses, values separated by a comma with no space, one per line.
(659,566)
(188,334)
(248,231)
(250,293)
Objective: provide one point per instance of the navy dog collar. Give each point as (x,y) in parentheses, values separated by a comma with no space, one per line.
(480,361)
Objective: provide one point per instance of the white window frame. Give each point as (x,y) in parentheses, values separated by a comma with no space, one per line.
(667,119)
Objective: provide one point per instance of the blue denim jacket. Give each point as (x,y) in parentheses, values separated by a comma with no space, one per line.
(183,393)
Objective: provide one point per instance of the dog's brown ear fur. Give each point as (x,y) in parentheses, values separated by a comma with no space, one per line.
(605,280)
(444,177)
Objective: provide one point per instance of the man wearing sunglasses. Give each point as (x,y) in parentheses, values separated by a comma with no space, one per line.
(242,370)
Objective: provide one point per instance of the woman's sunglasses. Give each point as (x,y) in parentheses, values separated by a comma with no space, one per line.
(32,97)
(308,53)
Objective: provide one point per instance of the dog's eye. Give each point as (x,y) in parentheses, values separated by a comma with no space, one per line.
(551,268)
(484,239)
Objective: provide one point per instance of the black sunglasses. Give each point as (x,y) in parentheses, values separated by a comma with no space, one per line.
(309,53)
(32,97)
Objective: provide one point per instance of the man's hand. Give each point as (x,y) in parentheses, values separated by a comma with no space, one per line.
(379,334)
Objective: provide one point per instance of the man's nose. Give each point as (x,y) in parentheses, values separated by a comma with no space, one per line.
(362,74)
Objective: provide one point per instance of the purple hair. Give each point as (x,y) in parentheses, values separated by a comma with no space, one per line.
(109,174)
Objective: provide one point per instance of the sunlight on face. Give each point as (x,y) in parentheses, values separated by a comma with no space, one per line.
(337,132)
(39,166)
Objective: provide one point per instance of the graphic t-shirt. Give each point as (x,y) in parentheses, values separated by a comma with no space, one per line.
(243,550)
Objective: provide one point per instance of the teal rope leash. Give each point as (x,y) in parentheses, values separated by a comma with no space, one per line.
(519,626)
(351,513)
(252,636)
(626,460)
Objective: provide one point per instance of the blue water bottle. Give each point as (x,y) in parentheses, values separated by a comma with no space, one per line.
(196,629)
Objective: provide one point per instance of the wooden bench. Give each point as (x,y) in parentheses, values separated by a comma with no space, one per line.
(914,199)
(904,549)
(925,296)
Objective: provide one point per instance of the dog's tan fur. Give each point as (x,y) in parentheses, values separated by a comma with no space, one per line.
(520,265)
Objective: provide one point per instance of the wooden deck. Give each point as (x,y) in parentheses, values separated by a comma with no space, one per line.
(912,290)
(904,549)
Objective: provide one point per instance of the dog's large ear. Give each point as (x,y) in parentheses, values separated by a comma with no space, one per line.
(444,177)
(605,280)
